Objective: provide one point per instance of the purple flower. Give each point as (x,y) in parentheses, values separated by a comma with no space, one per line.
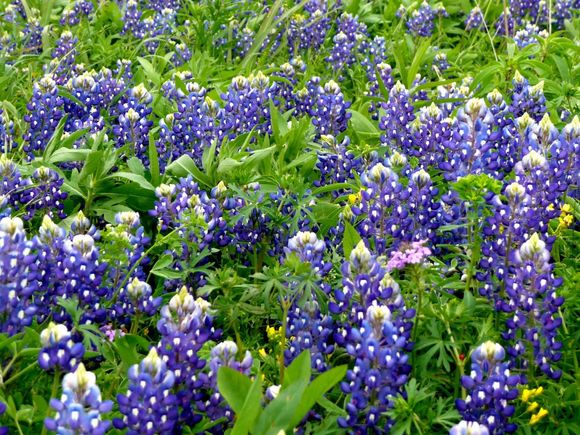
(415,253)
(59,349)
(80,407)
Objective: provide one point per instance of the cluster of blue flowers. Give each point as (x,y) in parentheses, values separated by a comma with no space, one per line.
(397,202)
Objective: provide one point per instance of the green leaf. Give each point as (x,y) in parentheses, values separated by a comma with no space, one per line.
(279,413)
(138,179)
(251,408)
(150,71)
(350,239)
(185,166)
(154,161)
(363,126)
(418,61)
(68,155)
(316,390)
(234,386)
(298,370)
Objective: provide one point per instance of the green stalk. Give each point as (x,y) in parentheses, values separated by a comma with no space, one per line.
(281,365)
(420,285)
(55,382)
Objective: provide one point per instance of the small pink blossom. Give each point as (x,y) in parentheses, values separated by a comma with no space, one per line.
(413,253)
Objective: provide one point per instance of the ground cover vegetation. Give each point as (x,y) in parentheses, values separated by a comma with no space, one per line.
(268,217)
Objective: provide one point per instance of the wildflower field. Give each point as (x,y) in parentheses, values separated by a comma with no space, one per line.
(282,216)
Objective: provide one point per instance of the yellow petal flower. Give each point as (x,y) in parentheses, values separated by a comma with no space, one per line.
(262,353)
(533,406)
(537,417)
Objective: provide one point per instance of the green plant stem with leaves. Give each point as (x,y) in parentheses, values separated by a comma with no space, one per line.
(285,308)
(53,391)
(418,279)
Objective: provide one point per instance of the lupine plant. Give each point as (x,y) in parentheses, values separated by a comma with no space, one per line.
(282,216)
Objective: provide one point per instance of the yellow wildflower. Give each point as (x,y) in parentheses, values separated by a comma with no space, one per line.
(529,394)
(537,417)
(550,207)
(354,198)
(273,333)
(566,221)
(262,352)
(533,406)
(566,208)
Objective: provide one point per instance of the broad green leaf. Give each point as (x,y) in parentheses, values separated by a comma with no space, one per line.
(234,386)
(317,388)
(299,369)
(138,179)
(250,410)
(350,239)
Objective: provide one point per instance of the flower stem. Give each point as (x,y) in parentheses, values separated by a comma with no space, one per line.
(55,382)
(282,367)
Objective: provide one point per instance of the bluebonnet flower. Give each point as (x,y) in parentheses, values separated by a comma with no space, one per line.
(336,163)
(6,133)
(197,215)
(162,23)
(132,20)
(244,38)
(421,21)
(45,110)
(72,14)
(191,129)
(454,90)
(59,349)
(308,31)
(470,151)
(80,224)
(248,225)
(329,111)
(535,11)
(182,54)
(185,326)
(64,55)
(533,304)
(397,119)
(505,24)
(149,406)
(43,193)
(70,267)
(376,336)
(246,105)
(468,428)
(564,10)
(224,354)
(431,135)
(3,429)
(133,126)
(18,276)
(392,211)
(474,20)
(309,249)
(510,224)
(137,297)
(491,387)
(529,35)
(440,62)
(384,75)
(501,144)
(527,99)
(80,408)
(307,326)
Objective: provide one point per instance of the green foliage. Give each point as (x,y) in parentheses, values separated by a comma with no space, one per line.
(297,395)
